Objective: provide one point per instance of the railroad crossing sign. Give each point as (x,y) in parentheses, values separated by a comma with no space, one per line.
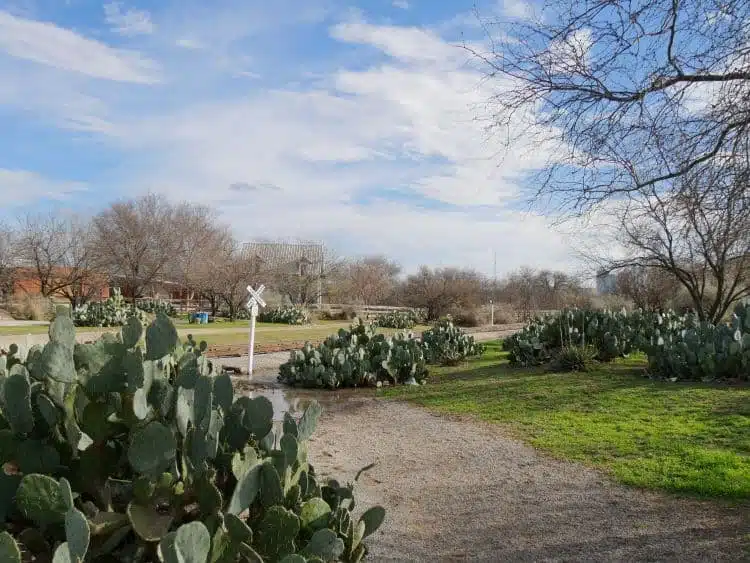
(252,305)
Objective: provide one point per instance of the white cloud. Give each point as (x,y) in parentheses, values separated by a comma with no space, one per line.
(409,122)
(401,4)
(48,44)
(129,21)
(404,43)
(22,186)
(186,43)
(515,9)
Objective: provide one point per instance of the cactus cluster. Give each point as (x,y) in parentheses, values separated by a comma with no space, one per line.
(284,315)
(611,334)
(402,320)
(154,306)
(133,449)
(677,346)
(357,357)
(447,344)
(702,351)
(113,311)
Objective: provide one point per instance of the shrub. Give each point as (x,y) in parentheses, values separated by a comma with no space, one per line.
(284,315)
(111,312)
(447,344)
(402,320)
(467,318)
(154,306)
(116,451)
(32,308)
(345,314)
(357,357)
(575,358)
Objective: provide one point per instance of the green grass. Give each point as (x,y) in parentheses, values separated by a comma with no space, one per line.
(22,330)
(685,438)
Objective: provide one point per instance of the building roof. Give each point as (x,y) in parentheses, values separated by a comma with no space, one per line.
(275,254)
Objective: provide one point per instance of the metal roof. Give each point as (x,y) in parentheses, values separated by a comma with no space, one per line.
(274,254)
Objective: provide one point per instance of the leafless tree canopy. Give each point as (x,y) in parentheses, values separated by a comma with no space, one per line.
(699,233)
(370,280)
(530,291)
(137,240)
(650,289)
(306,287)
(8,249)
(438,291)
(60,252)
(634,93)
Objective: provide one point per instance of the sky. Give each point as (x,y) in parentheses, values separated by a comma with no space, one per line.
(362,125)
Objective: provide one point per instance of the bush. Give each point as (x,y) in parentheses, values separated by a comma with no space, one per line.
(154,306)
(402,320)
(576,358)
(111,312)
(357,357)
(32,308)
(345,314)
(116,451)
(465,318)
(447,344)
(284,315)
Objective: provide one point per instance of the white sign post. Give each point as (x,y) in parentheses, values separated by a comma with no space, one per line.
(252,305)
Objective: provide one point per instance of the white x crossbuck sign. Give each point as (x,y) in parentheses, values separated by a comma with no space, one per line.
(255,298)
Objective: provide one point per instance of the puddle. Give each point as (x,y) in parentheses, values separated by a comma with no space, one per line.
(295,401)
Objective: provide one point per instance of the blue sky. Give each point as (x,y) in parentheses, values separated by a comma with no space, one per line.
(359,124)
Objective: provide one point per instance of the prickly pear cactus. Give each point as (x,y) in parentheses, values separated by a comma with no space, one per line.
(356,358)
(118,451)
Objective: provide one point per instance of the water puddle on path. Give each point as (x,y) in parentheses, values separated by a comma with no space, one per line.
(295,401)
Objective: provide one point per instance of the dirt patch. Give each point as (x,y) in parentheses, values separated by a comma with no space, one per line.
(456,490)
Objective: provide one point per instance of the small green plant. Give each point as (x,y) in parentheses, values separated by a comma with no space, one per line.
(134,449)
(446,344)
(284,315)
(575,358)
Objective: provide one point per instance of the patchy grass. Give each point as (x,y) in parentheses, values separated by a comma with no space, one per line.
(23,330)
(685,438)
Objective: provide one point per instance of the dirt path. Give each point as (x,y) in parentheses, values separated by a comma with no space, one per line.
(461,491)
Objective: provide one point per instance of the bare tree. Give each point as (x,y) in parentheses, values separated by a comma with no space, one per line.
(204,244)
(699,232)
(8,250)
(59,253)
(136,240)
(371,279)
(530,290)
(650,289)
(438,291)
(310,283)
(232,278)
(622,87)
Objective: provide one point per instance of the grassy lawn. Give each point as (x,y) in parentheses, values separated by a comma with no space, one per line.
(226,333)
(31,329)
(686,438)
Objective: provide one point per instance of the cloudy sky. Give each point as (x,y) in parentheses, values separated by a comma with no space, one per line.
(361,124)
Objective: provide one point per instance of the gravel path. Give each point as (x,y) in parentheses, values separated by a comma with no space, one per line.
(461,491)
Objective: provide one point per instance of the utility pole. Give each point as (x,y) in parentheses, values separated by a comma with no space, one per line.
(494,287)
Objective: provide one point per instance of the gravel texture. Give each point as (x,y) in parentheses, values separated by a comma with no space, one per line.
(457,490)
